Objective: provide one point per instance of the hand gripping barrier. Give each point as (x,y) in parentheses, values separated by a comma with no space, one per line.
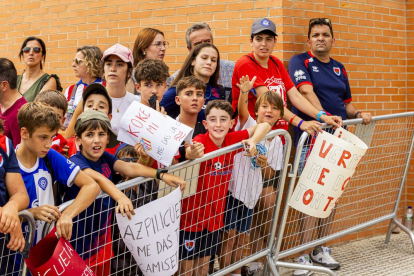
(8,265)
(96,236)
(372,197)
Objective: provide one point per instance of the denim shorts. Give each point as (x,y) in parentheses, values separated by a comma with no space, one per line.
(237,215)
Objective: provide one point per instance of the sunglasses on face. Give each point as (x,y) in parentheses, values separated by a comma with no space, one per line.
(326,21)
(27,50)
(159,44)
(77,60)
(126,159)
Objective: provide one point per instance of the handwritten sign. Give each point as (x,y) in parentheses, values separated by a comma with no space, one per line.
(327,172)
(153,235)
(56,257)
(160,135)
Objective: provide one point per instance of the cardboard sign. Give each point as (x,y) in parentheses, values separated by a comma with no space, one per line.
(153,235)
(327,173)
(160,135)
(56,257)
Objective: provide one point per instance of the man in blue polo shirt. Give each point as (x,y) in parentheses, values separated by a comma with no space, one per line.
(323,81)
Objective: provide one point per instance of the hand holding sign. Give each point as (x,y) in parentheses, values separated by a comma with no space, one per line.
(160,135)
(327,172)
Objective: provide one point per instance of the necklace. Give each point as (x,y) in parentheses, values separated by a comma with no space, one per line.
(117,107)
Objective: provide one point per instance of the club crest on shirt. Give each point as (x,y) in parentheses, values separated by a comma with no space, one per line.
(337,70)
(1,160)
(42,183)
(106,171)
(189,245)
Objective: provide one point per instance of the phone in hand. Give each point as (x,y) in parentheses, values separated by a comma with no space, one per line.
(153,101)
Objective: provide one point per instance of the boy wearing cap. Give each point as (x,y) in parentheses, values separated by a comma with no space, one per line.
(40,165)
(93,134)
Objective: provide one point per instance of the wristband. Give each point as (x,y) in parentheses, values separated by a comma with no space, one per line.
(146,162)
(320,113)
(291,119)
(159,172)
(244,93)
(356,114)
(301,121)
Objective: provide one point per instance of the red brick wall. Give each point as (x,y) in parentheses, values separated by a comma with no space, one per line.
(374,38)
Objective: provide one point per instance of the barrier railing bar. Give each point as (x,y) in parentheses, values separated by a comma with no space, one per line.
(402,227)
(227,270)
(30,238)
(334,236)
(306,267)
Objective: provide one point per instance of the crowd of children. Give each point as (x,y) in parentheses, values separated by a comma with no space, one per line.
(47,168)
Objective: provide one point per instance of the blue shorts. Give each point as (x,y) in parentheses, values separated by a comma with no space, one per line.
(195,245)
(237,215)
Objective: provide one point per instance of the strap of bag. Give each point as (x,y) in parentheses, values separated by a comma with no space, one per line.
(52,174)
(71,88)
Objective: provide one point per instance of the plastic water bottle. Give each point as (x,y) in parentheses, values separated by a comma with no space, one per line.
(409,218)
(69,113)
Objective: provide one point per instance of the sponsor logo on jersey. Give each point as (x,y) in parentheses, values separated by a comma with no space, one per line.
(315,68)
(35,203)
(189,245)
(299,75)
(42,183)
(337,70)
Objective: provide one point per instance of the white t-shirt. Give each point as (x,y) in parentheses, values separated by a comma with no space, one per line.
(246,181)
(119,106)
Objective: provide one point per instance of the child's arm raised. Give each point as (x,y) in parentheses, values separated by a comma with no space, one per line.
(133,170)
(19,200)
(256,133)
(245,86)
(124,203)
(87,194)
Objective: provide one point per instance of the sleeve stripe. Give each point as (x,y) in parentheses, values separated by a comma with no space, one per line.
(72,176)
(303,83)
(348,100)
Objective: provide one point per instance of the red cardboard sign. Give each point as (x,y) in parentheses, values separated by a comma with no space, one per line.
(52,256)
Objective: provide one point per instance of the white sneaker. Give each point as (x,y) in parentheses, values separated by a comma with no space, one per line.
(303,260)
(322,255)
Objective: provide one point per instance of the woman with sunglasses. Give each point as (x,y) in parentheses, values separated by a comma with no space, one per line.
(33,80)
(203,62)
(150,43)
(87,66)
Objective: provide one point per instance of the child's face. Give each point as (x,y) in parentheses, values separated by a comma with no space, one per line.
(115,70)
(60,113)
(128,158)
(97,102)
(267,113)
(93,143)
(147,88)
(205,63)
(191,100)
(218,123)
(40,141)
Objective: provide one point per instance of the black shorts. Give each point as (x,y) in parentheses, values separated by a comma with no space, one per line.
(272,182)
(195,245)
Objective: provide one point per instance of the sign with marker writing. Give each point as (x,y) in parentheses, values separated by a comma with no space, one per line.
(56,257)
(160,135)
(327,172)
(153,235)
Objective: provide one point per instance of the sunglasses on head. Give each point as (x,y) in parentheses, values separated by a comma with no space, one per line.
(126,159)
(326,21)
(77,60)
(28,49)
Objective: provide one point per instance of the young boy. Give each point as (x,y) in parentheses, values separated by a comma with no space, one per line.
(93,134)
(40,165)
(202,213)
(247,180)
(190,98)
(55,100)
(13,198)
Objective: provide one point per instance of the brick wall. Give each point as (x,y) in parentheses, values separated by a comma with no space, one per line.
(373,37)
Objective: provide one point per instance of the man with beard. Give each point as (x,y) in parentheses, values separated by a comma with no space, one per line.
(323,81)
(10,100)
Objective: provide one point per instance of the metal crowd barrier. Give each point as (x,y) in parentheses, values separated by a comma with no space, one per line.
(8,265)
(372,197)
(142,191)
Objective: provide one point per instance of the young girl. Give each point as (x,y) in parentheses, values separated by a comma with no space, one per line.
(204,63)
